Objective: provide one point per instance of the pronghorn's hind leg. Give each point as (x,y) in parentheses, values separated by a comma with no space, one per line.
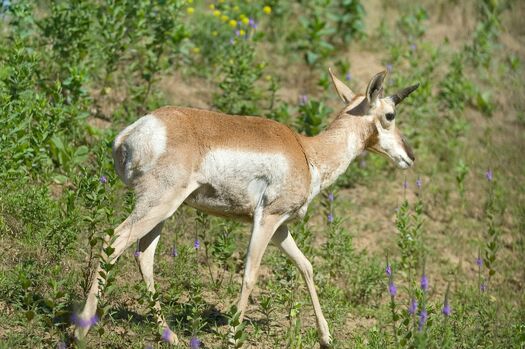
(151,209)
(145,257)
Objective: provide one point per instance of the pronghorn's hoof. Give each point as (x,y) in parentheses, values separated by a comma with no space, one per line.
(325,338)
(169,336)
(79,334)
(326,342)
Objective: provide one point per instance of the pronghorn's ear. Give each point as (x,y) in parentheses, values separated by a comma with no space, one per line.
(342,90)
(400,95)
(375,87)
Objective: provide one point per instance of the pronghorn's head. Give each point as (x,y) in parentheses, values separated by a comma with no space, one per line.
(380,114)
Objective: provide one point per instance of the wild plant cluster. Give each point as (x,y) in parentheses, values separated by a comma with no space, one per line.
(447,274)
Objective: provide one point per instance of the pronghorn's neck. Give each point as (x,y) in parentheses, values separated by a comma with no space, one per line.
(334,149)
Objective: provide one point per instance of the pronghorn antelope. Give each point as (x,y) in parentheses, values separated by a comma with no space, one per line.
(242,167)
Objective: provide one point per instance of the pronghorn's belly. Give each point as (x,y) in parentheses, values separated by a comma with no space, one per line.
(233,182)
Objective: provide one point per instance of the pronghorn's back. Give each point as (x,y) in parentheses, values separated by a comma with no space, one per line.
(236,160)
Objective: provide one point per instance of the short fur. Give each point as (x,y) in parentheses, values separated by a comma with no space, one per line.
(243,167)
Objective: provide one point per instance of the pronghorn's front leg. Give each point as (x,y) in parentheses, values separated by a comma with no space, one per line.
(262,231)
(285,241)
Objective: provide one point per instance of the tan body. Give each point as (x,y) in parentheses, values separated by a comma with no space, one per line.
(204,130)
(243,167)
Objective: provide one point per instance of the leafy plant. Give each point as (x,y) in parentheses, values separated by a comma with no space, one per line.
(316,31)
(240,72)
(349,18)
(313,117)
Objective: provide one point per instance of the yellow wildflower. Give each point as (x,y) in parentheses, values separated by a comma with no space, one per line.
(268,77)
(232,23)
(242,32)
(214,33)
(190,10)
(267,10)
(196,50)
(236,9)
(221,1)
(245,20)
(216,13)
(212,7)
(190,1)
(224,18)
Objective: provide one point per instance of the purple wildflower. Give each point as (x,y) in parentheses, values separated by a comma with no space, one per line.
(423,315)
(447,310)
(413,47)
(149,346)
(489,175)
(232,41)
(61,345)
(94,320)
(479,262)
(196,244)
(252,23)
(405,184)
(412,309)
(166,334)
(348,76)
(388,270)
(392,289)
(78,321)
(303,99)
(389,67)
(424,282)
(237,33)
(103,179)
(330,218)
(483,287)
(419,183)
(174,252)
(331,197)
(195,343)
(83,323)
(136,253)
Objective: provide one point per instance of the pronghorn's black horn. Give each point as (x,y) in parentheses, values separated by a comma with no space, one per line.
(399,96)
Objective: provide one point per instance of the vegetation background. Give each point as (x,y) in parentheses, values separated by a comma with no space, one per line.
(431,257)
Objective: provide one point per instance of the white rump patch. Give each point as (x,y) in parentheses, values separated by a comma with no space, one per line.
(144,141)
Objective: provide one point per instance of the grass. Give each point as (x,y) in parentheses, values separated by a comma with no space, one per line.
(66,90)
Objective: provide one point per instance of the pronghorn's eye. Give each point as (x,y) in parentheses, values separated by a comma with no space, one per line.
(390,116)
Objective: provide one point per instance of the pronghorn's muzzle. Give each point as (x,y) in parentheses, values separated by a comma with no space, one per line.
(408,150)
